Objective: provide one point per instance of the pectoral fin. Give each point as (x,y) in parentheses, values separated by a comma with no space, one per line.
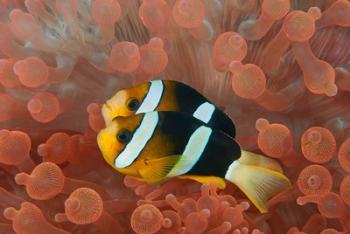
(257,183)
(206,180)
(155,170)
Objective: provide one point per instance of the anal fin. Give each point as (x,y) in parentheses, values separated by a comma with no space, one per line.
(206,180)
(257,183)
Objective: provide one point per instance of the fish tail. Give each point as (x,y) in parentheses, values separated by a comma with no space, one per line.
(258,183)
(250,158)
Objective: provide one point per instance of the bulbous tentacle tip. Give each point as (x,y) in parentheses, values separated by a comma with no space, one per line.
(171,221)
(125,57)
(314,12)
(171,198)
(45,181)
(32,72)
(43,150)
(331,90)
(261,124)
(188,13)
(18,19)
(315,179)
(22,178)
(72,204)
(155,14)
(15,149)
(318,144)
(167,223)
(30,219)
(235,67)
(10,213)
(197,221)
(228,47)
(156,42)
(60,218)
(57,149)
(299,26)
(329,204)
(44,107)
(154,59)
(84,206)
(248,81)
(146,219)
(275,140)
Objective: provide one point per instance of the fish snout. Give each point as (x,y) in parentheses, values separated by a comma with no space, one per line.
(108,113)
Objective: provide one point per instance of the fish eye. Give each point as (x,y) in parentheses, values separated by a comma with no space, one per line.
(124,136)
(133,104)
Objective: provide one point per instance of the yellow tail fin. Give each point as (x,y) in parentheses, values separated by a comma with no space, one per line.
(257,183)
(252,159)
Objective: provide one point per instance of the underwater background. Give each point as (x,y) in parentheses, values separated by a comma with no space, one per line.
(280,69)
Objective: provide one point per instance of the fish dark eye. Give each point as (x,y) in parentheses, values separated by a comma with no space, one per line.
(123,136)
(133,104)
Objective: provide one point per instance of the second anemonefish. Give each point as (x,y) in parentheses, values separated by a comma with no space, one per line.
(166,95)
(156,146)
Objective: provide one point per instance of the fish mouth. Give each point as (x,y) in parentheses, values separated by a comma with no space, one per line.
(107,106)
(107,113)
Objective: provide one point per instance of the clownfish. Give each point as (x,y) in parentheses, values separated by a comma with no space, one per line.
(156,146)
(166,95)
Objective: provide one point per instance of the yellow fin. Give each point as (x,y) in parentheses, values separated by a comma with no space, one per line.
(257,183)
(206,180)
(155,170)
(253,159)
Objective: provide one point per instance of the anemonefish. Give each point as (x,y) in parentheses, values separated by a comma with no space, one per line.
(159,145)
(166,95)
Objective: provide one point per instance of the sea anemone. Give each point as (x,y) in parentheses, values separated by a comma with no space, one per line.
(279,68)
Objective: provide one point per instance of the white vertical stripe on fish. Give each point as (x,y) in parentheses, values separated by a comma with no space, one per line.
(193,151)
(152,98)
(138,141)
(204,112)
